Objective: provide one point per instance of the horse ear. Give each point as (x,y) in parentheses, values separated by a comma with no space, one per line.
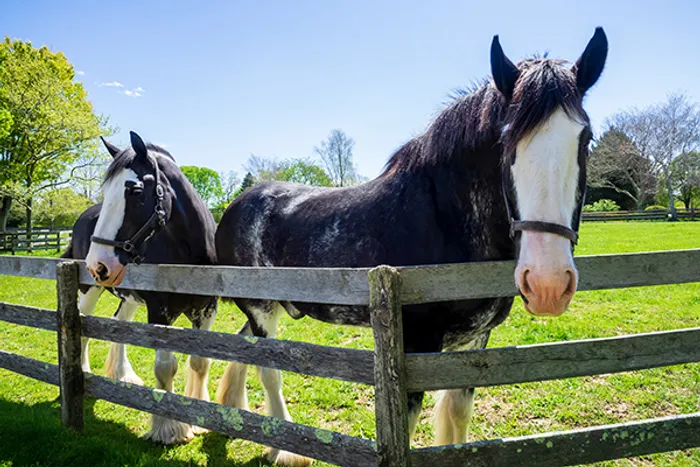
(139,146)
(111,149)
(589,67)
(504,72)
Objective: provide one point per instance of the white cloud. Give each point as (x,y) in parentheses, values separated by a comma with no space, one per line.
(133,93)
(140,89)
(112,84)
(80,73)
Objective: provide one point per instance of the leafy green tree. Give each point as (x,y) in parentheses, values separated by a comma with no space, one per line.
(248,181)
(617,171)
(308,173)
(60,207)
(205,180)
(685,177)
(51,123)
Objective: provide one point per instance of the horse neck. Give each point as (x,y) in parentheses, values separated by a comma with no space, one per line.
(469,197)
(190,221)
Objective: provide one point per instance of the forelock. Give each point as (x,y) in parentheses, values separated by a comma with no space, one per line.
(544,86)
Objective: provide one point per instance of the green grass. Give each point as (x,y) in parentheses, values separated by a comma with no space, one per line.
(31,434)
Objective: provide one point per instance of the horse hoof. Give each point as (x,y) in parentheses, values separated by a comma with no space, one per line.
(198,430)
(131,378)
(286,459)
(167,431)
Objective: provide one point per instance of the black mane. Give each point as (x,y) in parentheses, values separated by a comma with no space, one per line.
(124,159)
(478,117)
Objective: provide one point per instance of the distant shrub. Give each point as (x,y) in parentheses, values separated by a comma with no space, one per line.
(655,207)
(602,205)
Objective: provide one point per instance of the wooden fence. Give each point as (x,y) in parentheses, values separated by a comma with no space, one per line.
(651,215)
(392,372)
(40,239)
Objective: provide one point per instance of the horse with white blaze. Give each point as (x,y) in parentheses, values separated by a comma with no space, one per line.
(151,213)
(500,174)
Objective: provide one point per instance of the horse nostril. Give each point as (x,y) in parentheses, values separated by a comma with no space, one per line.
(525,288)
(102,271)
(571,286)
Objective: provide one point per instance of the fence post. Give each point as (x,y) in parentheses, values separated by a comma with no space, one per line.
(70,370)
(390,396)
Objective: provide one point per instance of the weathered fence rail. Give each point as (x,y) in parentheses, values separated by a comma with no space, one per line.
(686,214)
(14,241)
(392,372)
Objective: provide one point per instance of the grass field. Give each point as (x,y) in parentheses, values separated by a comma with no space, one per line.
(31,434)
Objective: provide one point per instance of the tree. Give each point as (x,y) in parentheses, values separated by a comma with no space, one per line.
(336,155)
(248,181)
(685,177)
(661,133)
(229,185)
(262,169)
(615,164)
(306,172)
(87,174)
(51,123)
(61,206)
(205,180)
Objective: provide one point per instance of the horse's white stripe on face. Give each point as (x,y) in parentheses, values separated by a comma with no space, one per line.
(111,218)
(545,172)
(546,176)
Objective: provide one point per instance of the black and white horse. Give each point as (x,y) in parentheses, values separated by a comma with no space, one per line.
(500,174)
(152,214)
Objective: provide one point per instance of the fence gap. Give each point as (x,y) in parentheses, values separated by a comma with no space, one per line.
(71,380)
(391,405)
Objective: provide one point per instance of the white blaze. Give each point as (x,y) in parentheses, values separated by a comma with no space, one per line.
(545,176)
(111,218)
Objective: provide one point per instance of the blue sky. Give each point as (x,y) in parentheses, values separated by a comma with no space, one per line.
(218,81)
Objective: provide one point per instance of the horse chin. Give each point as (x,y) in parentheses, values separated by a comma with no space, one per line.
(552,312)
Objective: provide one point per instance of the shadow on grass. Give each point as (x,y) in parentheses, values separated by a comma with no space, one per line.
(32,435)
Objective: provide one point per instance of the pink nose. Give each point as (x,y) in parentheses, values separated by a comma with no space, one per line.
(547,294)
(106,275)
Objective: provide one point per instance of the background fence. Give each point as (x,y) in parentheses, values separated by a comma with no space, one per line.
(651,215)
(393,373)
(16,240)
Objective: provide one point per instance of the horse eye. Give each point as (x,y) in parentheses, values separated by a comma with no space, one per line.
(133,188)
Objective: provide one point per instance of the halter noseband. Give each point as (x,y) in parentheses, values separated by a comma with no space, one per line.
(537,226)
(133,247)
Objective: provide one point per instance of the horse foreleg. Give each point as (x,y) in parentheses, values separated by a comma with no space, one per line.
(164,430)
(86,305)
(453,413)
(118,365)
(232,388)
(198,367)
(264,319)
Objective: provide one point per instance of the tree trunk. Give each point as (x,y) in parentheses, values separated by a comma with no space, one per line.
(671,200)
(29,223)
(5,211)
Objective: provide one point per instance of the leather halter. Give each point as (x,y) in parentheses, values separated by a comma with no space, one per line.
(538,226)
(133,247)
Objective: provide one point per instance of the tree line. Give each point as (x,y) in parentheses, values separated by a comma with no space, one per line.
(333,167)
(51,163)
(649,157)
